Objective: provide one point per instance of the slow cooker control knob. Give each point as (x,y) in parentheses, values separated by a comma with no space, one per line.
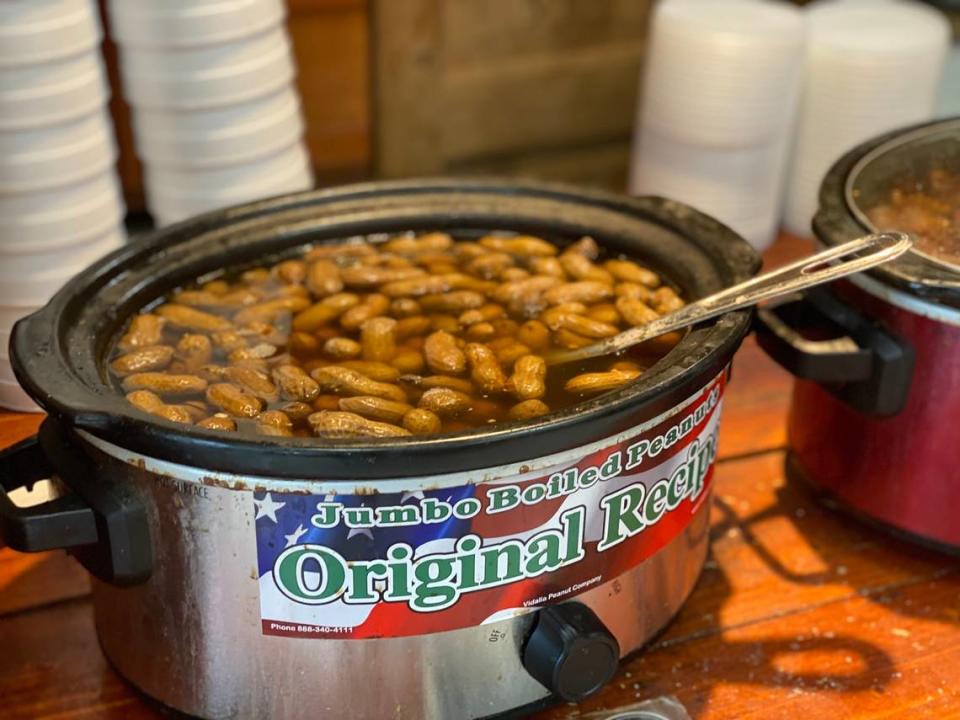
(570,652)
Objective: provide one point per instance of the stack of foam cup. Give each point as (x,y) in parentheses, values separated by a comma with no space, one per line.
(216,118)
(60,205)
(869,68)
(716,109)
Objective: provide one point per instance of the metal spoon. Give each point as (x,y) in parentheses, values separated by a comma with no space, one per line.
(831,264)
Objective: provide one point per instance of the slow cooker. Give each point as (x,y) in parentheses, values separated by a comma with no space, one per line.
(511,566)
(872,423)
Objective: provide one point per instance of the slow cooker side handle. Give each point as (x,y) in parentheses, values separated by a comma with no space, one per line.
(99,521)
(63,522)
(868,368)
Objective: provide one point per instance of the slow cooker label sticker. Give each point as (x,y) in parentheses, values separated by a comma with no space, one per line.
(392,565)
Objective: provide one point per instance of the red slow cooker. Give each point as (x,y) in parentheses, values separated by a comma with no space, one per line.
(877,356)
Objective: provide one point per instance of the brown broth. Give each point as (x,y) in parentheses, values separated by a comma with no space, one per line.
(260,323)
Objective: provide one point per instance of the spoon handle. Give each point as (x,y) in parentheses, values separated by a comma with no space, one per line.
(833,263)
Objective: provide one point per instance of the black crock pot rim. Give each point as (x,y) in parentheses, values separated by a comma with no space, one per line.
(836,221)
(51,381)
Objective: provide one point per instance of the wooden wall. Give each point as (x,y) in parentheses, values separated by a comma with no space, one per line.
(392,88)
(532,87)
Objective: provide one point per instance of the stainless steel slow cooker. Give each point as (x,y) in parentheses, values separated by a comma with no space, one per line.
(457,576)
(873,416)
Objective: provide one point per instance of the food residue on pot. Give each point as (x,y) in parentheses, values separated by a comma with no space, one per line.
(415,335)
(930,212)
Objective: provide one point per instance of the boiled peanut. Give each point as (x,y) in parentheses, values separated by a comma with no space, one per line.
(598,382)
(456,301)
(194,351)
(412,325)
(165,384)
(629,271)
(324,311)
(446,323)
(260,351)
(426,285)
(254,382)
(233,400)
(367,277)
(175,413)
(296,410)
(439,381)
(665,300)
(219,421)
(585,246)
(523,245)
(327,402)
(585,326)
(583,291)
(442,354)
(255,276)
(569,340)
(632,291)
(484,313)
(272,310)
(490,265)
(375,408)
(343,381)
(580,267)
(229,340)
(636,312)
(323,278)
(405,307)
(445,402)
(378,339)
(511,291)
(275,423)
(382,372)
(529,377)
(340,250)
(188,318)
(146,400)
(408,361)
(534,334)
(374,306)
(145,330)
(292,272)
(295,384)
(548,266)
(155,357)
(421,422)
(217,287)
(481,331)
(345,424)
(528,409)
(511,351)
(606,313)
(302,343)
(429,242)
(485,371)
(342,348)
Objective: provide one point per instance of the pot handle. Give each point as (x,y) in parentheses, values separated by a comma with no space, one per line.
(63,522)
(857,361)
(99,521)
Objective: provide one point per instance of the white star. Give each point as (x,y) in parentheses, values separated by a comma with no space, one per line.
(418,495)
(360,531)
(293,537)
(267,508)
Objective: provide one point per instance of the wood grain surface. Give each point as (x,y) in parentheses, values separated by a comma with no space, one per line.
(800,612)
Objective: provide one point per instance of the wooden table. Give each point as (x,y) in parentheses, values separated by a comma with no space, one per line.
(800,612)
